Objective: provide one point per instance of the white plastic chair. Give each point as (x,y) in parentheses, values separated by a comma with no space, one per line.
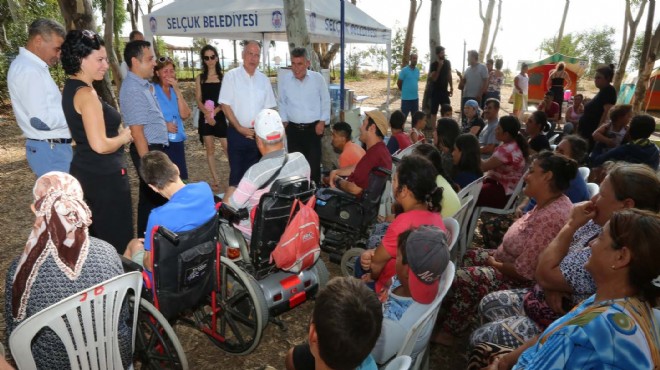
(592,189)
(453,230)
(428,318)
(399,363)
(509,208)
(85,322)
(584,172)
(473,189)
(461,216)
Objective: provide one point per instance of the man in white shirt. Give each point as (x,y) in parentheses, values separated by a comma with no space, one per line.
(304,108)
(134,35)
(245,92)
(37,100)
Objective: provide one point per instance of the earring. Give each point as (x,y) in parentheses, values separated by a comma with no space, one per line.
(613,267)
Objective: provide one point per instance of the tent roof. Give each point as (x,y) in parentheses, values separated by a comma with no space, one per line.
(254,19)
(576,65)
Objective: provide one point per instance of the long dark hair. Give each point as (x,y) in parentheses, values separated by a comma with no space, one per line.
(433,154)
(205,68)
(470,160)
(511,126)
(418,175)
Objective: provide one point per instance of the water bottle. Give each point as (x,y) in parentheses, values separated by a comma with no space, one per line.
(210,106)
(171,136)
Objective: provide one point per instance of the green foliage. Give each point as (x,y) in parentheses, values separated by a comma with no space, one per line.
(397,46)
(594,45)
(353,62)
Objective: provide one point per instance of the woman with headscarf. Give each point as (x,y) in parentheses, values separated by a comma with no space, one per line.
(59,259)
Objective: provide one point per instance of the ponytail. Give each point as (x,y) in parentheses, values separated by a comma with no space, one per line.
(434,200)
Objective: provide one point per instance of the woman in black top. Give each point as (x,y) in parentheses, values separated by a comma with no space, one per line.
(537,124)
(98,162)
(212,122)
(596,111)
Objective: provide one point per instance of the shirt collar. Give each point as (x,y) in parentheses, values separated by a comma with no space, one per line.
(138,79)
(32,57)
(293,76)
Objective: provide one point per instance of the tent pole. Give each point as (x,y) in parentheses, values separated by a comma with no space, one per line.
(342,43)
(389,76)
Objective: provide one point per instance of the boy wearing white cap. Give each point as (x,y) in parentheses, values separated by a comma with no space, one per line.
(269,136)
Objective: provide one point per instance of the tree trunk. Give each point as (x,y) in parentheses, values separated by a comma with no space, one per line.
(485,33)
(78,15)
(497,28)
(133,11)
(626,47)
(434,40)
(644,69)
(14,10)
(560,35)
(407,42)
(296,29)
(108,38)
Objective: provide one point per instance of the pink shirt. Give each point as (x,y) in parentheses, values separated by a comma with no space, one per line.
(400,224)
(531,234)
(512,168)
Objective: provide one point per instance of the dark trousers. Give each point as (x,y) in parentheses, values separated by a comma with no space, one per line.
(109,198)
(303,139)
(147,198)
(243,153)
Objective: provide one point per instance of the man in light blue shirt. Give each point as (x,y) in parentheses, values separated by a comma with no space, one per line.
(408,84)
(305,109)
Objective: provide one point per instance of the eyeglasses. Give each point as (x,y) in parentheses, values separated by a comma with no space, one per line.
(209,57)
(164,59)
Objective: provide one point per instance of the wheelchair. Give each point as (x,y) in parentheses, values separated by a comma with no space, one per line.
(345,219)
(207,278)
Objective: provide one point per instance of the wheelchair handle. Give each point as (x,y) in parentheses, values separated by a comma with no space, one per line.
(232,214)
(171,236)
(383,170)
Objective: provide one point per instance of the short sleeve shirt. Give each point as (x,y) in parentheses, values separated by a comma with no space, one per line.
(487,134)
(400,224)
(140,107)
(351,154)
(593,110)
(376,156)
(523,242)
(572,266)
(474,80)
(246,95)
(410,78)
(512,168)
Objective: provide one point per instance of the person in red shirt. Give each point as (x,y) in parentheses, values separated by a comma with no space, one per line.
(399,140)
(372,133)
(550,107)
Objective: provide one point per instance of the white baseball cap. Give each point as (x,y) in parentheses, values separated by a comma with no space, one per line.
(268,125)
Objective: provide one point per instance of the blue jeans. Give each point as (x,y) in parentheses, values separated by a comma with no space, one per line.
(44,157)
(409,106)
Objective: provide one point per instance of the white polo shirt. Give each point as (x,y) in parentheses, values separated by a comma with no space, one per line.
(35,97)
(246,95)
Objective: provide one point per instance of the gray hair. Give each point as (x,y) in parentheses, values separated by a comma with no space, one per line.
(46,28)
(299,52)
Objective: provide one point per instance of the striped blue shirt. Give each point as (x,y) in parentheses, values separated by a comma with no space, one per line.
(139,107)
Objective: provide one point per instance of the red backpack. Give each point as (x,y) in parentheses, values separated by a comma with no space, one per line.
(299,246)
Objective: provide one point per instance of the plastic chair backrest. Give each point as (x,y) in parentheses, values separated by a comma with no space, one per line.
(272,216)
(399,363)
(372,194)
(428,318)
(462,217)
(473,189)
(85,322)
(592,189)
(453,230)
(584,172)
(511,203)
(399,154)
(553,138)
(183,265)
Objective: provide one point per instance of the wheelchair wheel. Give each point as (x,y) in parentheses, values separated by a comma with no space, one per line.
(156,343)
(348,260)
(321,272)
(243,310)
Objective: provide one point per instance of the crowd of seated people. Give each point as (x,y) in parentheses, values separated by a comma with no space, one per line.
(563,268)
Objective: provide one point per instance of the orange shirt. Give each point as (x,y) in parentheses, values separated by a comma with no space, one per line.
(351,155)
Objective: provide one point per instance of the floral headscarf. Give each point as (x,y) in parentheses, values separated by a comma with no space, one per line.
(60,230)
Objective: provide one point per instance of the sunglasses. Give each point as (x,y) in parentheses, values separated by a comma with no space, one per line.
(90,39)
(209,57)
(164,59)
(89,34)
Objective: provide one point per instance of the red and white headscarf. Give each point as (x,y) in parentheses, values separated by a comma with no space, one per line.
(60,230)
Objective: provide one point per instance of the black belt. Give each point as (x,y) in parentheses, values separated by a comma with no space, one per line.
(157,146)
(54,141)
(303,126)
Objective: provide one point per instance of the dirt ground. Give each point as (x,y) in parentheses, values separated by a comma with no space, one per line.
(15,198)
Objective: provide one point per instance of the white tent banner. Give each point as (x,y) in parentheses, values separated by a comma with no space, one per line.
(259,19)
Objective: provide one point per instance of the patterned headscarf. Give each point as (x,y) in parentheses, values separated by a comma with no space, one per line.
(60,230)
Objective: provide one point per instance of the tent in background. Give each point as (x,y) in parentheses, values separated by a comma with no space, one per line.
(540,71)
(652,99)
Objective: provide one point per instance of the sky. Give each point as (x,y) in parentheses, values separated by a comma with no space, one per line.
(524,24)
